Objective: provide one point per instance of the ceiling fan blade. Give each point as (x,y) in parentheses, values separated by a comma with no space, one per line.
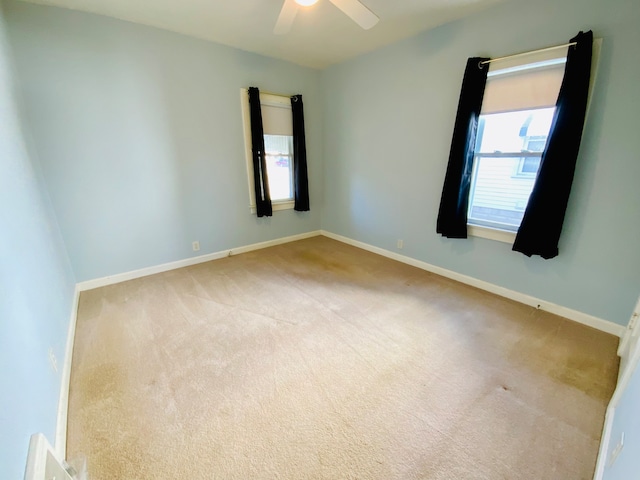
(286,17)
(359,13)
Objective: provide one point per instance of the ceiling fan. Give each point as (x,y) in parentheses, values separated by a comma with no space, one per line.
(354,9)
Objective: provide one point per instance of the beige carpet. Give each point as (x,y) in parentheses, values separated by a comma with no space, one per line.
(317,360)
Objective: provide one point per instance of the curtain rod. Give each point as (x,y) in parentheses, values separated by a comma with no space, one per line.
(529,53)
(277,94)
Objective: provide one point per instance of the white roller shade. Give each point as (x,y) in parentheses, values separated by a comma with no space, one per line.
(523,83)
(276,115)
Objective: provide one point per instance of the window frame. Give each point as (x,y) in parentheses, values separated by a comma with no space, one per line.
(272,100)
(486,228)
(527,153)
(289,157)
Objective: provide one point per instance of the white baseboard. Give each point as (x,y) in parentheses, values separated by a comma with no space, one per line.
(63,401)
(187,262)
(576,316)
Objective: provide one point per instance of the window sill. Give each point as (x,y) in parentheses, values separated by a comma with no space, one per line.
(275,206)
(491,233)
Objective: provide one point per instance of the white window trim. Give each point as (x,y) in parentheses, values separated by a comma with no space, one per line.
(491,233)
(506,236)
(275,206)
(274,101)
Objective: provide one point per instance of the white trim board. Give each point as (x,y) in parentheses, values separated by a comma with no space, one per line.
(576,316)
(187,262)
(623,382)
(65,379)
(43,462)
(630,340)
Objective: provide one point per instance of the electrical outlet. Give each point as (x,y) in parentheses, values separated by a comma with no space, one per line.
(196,246)
(400,244)
(616,451)
(53,360)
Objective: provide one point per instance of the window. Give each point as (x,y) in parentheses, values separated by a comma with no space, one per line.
(531,92)
(279,155)
(533,147)
(515,120)
(517,111)
(508,151)
(278,143)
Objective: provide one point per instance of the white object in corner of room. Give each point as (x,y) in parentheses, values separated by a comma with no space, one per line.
(42,462)
(630,340)
(624,379)
(63,400)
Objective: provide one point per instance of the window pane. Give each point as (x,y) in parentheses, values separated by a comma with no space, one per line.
(506,165)
(279,155)
(511,131)
(536,143)
(530,165)
(499,195)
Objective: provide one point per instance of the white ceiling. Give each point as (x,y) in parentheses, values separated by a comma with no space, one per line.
(321,35)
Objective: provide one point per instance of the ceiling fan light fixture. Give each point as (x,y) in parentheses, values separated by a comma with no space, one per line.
(306,3)
(354,9)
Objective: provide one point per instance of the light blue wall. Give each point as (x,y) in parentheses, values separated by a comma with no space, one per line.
(389,117)
(140,136)
(36,287)
(627,420)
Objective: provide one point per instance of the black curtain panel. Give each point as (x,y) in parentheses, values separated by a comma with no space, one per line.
(452,216)
(541,225)
(300,178)
(260,177)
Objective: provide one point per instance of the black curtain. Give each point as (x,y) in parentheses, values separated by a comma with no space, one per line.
(300,180)
(452,216)
(260,178)
(541,225)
